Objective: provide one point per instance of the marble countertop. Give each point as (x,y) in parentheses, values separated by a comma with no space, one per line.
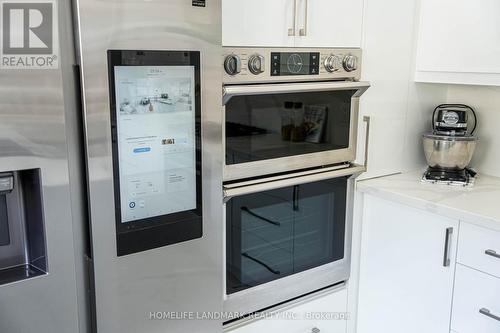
(478,204)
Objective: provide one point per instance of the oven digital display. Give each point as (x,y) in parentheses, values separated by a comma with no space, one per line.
(294,63)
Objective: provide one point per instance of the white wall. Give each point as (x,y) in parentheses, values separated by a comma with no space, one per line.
(486,102)
(422,99)
(399,108)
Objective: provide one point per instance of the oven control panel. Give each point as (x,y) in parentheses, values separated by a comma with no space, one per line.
(257,65)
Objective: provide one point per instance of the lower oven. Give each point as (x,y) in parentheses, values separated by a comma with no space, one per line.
(287,236)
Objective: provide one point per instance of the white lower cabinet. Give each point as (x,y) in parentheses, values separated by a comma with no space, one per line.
(479,248)
(325,313)
(406,269)
(476,302)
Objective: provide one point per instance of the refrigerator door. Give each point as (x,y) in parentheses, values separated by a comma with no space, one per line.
(42,267)
(135,287)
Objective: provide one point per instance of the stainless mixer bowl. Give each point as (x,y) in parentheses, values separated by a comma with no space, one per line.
(446,152)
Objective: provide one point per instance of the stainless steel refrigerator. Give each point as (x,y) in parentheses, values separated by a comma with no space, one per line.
(43,237)
(151,91)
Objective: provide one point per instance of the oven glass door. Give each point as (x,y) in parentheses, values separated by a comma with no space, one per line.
(268,126)
(280,232)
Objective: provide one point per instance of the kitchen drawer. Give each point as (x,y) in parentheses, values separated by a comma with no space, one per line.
(472,246)
(474,291)
(297,319)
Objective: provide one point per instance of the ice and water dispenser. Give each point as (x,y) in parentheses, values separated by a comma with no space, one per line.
(22,232)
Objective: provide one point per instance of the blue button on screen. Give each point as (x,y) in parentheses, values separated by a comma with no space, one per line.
(142,150)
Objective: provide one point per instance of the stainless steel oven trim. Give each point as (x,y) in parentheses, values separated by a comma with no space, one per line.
(246,77)
(289,88)
(234,190)
(285,176)
(281,290)
(284,307)
(284,164)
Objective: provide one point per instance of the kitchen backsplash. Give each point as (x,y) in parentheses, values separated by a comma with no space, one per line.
(486,101)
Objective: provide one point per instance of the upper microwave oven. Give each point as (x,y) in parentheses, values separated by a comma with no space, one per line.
(287,110)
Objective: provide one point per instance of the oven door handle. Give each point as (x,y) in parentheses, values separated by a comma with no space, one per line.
(261,186)
(290,88)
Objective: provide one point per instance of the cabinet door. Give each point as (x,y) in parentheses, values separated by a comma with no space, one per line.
(329,23)
(258,23)
(404,284)
(459,42)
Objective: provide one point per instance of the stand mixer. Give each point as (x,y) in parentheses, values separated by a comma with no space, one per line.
(450,146)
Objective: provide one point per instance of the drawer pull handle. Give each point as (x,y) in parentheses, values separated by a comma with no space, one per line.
(488,313)
(447,247)
(315,330)
(492,253)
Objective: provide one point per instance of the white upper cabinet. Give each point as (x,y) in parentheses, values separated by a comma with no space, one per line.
(329,23)
(292,23)
(459,42)
(258,22)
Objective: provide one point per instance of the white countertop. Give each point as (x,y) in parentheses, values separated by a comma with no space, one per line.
(478,204)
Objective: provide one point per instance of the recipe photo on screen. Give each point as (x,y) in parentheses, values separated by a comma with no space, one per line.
(155,112)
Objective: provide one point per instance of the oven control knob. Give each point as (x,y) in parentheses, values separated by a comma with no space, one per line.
(232,64)
(332,63)
(256,64)
(350,63)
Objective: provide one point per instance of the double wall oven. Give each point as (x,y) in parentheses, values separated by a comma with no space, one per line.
(291,119)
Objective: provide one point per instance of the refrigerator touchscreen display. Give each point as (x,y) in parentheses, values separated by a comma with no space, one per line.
(155,113)
(155,106)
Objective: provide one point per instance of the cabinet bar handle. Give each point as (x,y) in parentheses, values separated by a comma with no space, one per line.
(367,120)
(447,245)
(488,313)
(492,253)
(315,330)
(246,209)
(291,31)
(303,31)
